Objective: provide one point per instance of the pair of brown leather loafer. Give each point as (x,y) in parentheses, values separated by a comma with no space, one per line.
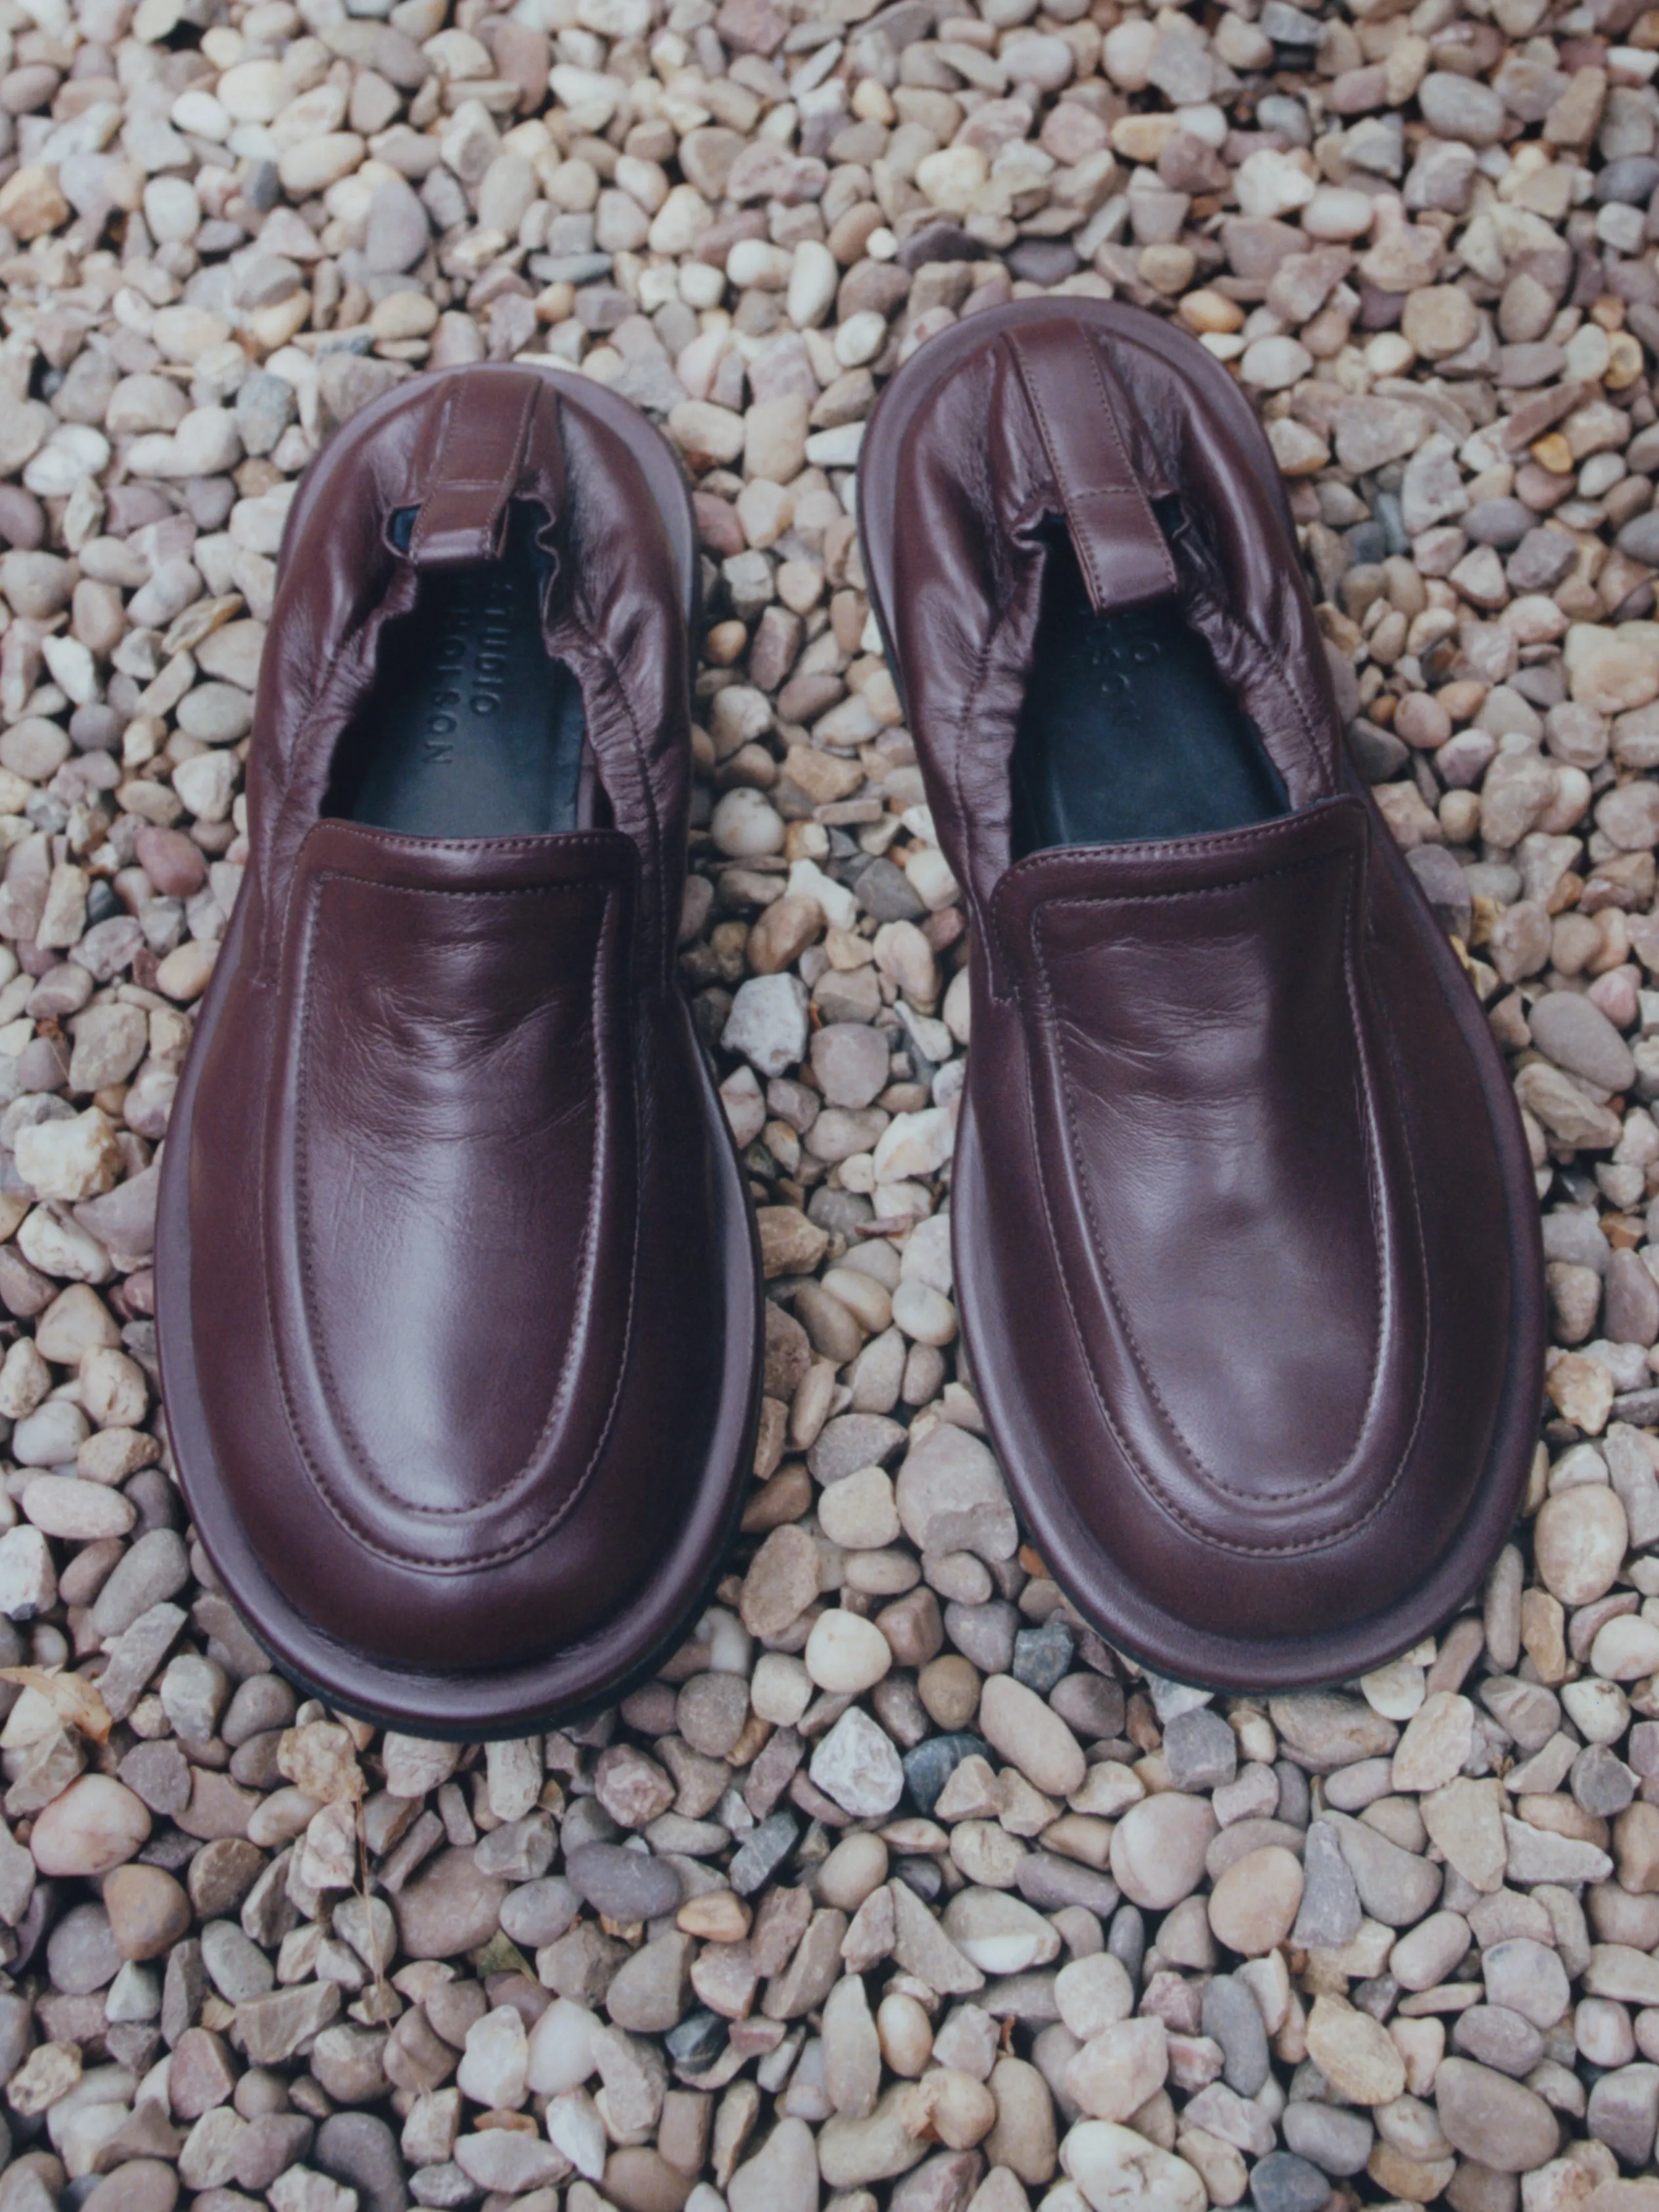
(459,1308)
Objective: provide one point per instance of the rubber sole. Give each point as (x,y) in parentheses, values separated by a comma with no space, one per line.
(1149,1633)
(588,1676)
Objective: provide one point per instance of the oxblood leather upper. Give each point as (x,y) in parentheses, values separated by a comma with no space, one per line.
(444,1087)
(1243,1226)
(460,1338)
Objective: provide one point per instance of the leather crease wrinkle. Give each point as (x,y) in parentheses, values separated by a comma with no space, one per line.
(464,1051)
(1064,1039)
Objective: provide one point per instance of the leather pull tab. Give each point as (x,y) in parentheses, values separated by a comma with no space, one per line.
(466,491)
(1115,534)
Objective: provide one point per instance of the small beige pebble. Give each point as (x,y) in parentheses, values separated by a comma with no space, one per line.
(1113,2167)
(1253,1907)
(96,1825)
(780,1689)
(1579,1542)
(1117,2070)
(846,1654)
(148,1911)
(1498,2121)
(1093,1994)
(1354,2052)
(1159,1847)
(1438,1740)
(906,2038)
(1017,1722)
(859,1511)
(79,1512)
(854,1869)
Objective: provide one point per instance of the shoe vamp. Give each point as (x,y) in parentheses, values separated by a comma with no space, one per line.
(445,1148)
(1207,1061)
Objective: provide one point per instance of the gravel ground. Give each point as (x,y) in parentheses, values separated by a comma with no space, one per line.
(898,1883)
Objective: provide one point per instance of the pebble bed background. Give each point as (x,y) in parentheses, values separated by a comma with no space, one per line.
(898,1885)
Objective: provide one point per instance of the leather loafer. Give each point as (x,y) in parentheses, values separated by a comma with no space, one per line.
(458,1289)
(1245,1229)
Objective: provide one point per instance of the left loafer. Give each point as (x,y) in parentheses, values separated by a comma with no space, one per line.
(458,1287)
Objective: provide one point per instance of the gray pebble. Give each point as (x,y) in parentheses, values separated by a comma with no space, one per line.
(1200,1748)
(1282,2182)
(622,1884)
(984,1633)
(1233,2017)
(1337,2140)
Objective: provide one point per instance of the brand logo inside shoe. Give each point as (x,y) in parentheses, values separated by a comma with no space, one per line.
(469,668)
(1120,650)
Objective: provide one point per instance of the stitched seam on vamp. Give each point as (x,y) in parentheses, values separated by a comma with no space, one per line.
(1420,1243)
(1156,1489)
(399,840)
(302,1180)
(1373,1195)
(1069,1088)
(567,1378)
(545,1527)
(1218,843)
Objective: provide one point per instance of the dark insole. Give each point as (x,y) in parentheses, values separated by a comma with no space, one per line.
(1128,731)
(470,731)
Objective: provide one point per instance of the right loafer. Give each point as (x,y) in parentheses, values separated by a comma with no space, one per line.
(1244,1225)
(458,1286)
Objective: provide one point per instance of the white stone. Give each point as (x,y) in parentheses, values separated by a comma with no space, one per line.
(912,1144)
(252,92)
(494,2067)
(781,1689)
(207,443)
(857,1765)
(858,1512)
(207,784)
(1336,215)
(746,825)
(924,1313)
(812,284)
(575,2127)
(97,1824)
(1119,2171)
(415,1764)
(52,1435)
(561,2051)
(846,1654)
(79,1512)
(70,1159)
(28,1581)
(502,2158)
(768,1023)
(1273,364)
(1093,1994)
